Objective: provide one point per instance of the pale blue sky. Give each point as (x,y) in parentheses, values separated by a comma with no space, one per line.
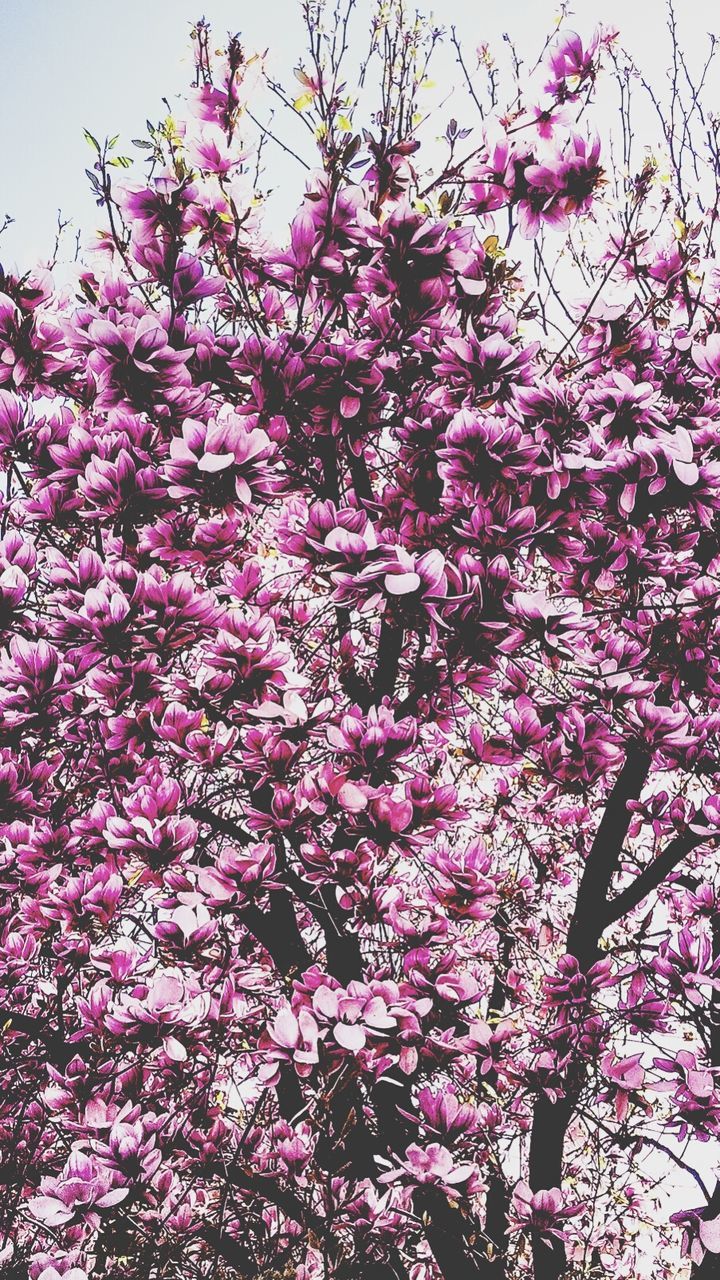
(106,64)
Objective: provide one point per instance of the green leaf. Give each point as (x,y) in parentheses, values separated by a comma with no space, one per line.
(93,142)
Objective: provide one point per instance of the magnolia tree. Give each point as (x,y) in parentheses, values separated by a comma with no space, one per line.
(360,682)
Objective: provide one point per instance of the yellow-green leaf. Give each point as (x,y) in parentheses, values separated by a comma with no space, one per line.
(492,247)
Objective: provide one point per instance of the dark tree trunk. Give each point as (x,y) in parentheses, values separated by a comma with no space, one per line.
(551,1119)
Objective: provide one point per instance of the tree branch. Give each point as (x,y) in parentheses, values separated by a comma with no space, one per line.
(588,920)
(388,656)
(551,1119)
(652,876)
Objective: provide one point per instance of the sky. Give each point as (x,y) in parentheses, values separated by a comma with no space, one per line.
(105,66)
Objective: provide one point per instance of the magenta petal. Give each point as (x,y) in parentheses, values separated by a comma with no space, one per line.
(352,797)
(49,1210)
(401,584)
(285,1029)
(350,406)
(325,1001)
(686,472)
(112,1197)
(351,1038)
(174,1049)
(709,1233)
(215,461)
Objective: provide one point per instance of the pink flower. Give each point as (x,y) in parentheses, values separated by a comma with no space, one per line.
(625,1076)
(561,186)
(240,873)
(709,1233)
(290,1039)
(432,1165)
(446,1115)
(569,60)
(707,355)
(541,1211)
(164,1009)
(222,460)
(82,1188)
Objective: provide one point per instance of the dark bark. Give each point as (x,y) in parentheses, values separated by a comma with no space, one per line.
(589,919)
(547,1139)
(497,1205)
(342,950)
(360,477)
(232,1251)
(58,1051)
(497,1202)
(289,1094)
(709,1268)
(268,1189)
(226,826)
(277,930)
(652,876)
(388,656)
(444,1229)
(351,1143)
(275,927)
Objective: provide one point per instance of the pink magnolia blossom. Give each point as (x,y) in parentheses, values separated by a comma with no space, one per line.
(82,1189)
(431,1165)
(543,1211)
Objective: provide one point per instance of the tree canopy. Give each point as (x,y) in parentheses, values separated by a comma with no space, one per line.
(360,683)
